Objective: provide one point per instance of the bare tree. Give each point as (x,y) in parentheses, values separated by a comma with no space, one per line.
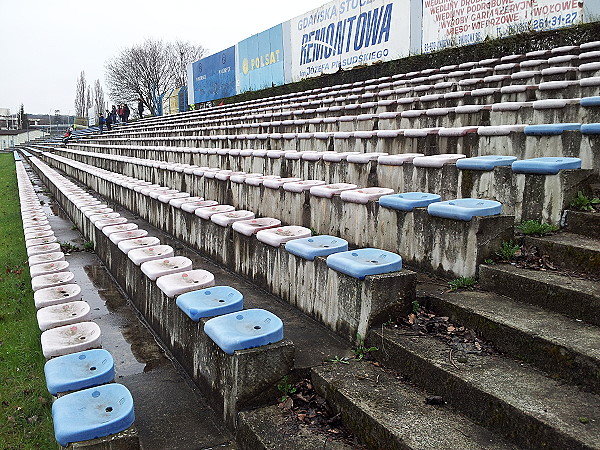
(88,102)
(149,71)
(98,97)
(183,53)
(80,96)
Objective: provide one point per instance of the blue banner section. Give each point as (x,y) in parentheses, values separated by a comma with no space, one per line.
(260,60)
(214,76)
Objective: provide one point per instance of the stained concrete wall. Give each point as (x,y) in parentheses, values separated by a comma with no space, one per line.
(537,197)
(448,247)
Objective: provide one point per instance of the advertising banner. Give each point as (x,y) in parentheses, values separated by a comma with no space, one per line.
(214,76)
(174,102)
(260,60)
(347,33)
(461,22)
(92,117)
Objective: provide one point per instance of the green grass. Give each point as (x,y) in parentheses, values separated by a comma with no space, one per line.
(25,421)
(529,227)
(462,283)
(508,250)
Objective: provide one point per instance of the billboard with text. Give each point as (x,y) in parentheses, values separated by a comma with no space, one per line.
(449,23)
(214,76)
(260,60)
(347,33)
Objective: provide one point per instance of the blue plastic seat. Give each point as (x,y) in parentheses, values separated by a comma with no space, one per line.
(79,371)
(546,165)
(590,128)
(322,245)
(407,201)
(550,129)
(365,261)
(588,102)
(92,413)
(487,162)
(465,208)
(210,302)
(244,329)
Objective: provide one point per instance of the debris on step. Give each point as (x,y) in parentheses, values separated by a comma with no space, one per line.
(463,340)
(303,406)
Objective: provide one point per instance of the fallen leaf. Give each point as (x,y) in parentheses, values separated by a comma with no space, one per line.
(287,404)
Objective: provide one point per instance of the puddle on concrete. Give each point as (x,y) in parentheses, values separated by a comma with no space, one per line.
(116,310)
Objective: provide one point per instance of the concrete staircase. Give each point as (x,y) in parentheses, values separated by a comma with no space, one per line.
(540,390)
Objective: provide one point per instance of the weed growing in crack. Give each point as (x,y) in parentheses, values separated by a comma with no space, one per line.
(462,283)
(536,228)
(360,351)
(508,250)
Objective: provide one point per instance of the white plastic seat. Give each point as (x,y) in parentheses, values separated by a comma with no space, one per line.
(38,234)
(258,180)
(180,283)
(55,295)
(62,314)
(333,156)
(100,224)
(70,339)
(301,186)
(44,248)
(166,198)
(191,207)
(129,244)
(142,254)
(40,241)
(52,279)
(252,226)
(227,218)
(165,266)
(125,235)
(330,190)
(398,160)
(206,212)
(48,268)
(362,158)
(276,183)
(364,195)
(119,228)
(46,258)
(155,193)
(437,161)
(277,236)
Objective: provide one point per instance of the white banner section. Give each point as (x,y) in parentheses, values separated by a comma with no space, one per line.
(348,33)
(448,23)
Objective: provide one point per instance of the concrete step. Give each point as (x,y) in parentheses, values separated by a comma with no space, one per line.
(583,223)
(570,251)
(387,413)
(269,428)
(559,345)
(573,297)
(504,395)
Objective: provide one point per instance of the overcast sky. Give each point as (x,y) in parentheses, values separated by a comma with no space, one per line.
(47,43)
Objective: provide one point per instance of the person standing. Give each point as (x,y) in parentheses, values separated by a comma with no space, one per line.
(108,120)
(101,122)
(126,113)
(113,114)
(140,107)
(120,113)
